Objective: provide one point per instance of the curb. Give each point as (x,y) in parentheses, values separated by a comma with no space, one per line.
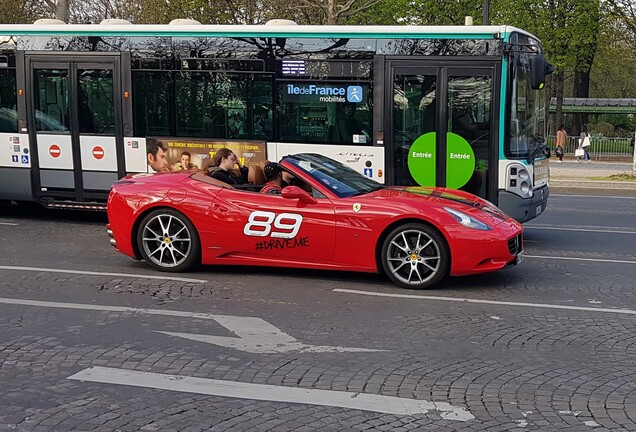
(592,184)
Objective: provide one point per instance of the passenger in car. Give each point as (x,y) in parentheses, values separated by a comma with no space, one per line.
(223,162)
(274,177)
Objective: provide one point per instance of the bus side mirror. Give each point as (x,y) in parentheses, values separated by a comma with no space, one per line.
(539,69)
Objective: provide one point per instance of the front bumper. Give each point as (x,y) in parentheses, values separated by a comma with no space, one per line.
(524,209)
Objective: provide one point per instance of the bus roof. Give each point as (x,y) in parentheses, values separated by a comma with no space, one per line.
(295,31)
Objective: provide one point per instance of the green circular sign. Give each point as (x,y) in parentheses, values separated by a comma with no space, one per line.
(460,160)
(421,159)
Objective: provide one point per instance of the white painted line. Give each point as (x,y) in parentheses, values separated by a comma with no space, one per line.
(600,231)
(263,392)
(264,339)
(593,196)
(253,334)
(8,223)
(492,302)
(581,259)
(83,306)
(127,275)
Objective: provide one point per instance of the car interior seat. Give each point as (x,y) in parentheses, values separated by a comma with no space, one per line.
(255,175)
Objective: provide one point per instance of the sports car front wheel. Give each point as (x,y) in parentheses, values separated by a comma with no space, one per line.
(168,241)
(415,256)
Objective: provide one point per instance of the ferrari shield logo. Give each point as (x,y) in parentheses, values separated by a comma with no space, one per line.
(357,207)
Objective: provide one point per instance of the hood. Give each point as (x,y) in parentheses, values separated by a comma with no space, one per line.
(443,197)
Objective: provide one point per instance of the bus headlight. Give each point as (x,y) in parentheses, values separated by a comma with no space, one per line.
(518,180)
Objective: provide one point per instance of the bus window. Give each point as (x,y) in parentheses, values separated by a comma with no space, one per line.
(8,114)
(51,101)
(337,113)
(414,114)
(95,110)
(151,103)
(223,105)
(469,108)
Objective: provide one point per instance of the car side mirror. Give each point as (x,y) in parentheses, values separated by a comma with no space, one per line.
(294,192)
(539,69)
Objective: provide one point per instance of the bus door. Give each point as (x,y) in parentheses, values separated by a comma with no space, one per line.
(442,125)
(75,126)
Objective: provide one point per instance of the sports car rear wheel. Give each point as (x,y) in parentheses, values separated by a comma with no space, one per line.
(168,241)
(415,256)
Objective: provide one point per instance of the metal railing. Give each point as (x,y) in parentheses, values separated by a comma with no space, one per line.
(603,148)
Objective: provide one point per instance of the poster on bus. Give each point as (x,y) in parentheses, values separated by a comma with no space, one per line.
(197,154)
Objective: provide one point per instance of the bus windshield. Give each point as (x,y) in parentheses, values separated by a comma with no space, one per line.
(527,130)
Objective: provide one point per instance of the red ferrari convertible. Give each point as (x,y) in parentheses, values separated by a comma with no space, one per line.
(330,217)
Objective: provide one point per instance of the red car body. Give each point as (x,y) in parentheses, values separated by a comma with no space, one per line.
(321,230)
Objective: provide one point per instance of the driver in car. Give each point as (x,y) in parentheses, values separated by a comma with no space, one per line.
(274,177)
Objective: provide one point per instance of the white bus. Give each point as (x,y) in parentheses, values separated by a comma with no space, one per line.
(454,106)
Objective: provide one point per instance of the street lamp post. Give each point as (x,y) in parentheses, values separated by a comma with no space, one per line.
(486,12)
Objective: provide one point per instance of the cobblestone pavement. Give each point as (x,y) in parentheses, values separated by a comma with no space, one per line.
(518,361)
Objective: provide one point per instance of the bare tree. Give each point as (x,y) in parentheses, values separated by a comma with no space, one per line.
(61,9)
(625,11)
(333,11)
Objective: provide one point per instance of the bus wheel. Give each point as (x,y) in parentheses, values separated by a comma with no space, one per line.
(168,241)
(415,256)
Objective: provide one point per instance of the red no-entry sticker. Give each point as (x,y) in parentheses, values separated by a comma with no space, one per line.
(55,151)
(98,152)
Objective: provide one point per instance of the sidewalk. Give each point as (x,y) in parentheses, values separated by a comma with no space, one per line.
(582,175)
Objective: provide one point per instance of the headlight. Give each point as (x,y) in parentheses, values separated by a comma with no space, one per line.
(518,180)
(466,220)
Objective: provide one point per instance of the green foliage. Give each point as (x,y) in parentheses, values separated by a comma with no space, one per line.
(603,128)
(23,11)
(441,12)
(623,125)
(383,13)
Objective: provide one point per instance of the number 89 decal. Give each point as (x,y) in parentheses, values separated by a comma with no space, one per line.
(260,224)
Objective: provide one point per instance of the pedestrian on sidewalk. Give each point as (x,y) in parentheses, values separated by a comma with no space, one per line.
(561,139)
(585,143)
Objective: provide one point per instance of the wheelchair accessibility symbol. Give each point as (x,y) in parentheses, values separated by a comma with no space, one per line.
(25,159)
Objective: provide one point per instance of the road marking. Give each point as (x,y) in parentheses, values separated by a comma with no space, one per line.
(580,259)
(492,302)
(127,275)
(593,196)
(258,336)
(600,231)
(254,335)
(263,392)
(8,224)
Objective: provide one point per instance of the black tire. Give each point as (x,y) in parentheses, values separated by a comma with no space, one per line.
(415,256)
(168,241)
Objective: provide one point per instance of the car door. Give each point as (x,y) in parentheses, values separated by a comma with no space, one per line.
(270,227)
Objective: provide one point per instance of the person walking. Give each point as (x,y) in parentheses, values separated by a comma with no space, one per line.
(561,139)
(584,144)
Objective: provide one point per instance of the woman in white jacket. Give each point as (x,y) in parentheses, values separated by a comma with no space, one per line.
(584,143)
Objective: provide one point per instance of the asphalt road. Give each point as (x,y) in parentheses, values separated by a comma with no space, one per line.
(92,340)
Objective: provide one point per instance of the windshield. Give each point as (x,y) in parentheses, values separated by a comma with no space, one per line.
(527,129)
(338,178)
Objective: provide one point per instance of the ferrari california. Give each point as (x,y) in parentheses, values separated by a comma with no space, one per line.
(328,217)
